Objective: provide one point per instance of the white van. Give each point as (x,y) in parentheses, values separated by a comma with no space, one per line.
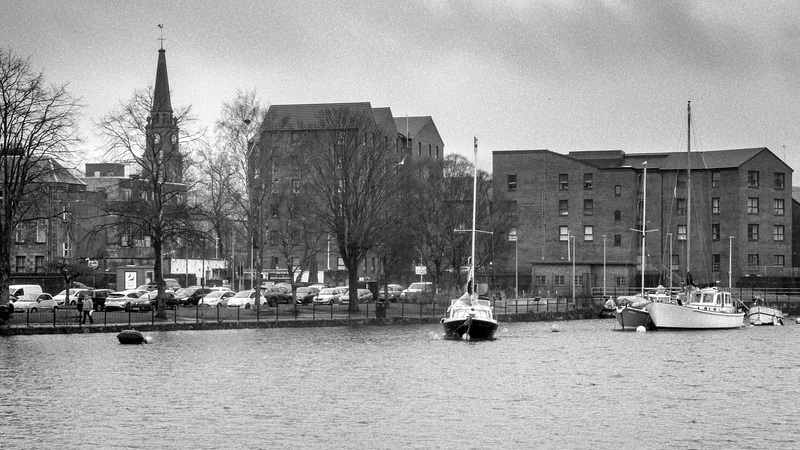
(26,292)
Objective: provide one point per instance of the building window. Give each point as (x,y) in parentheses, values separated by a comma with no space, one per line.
(617,240)
(563,233)
(676,263)
(41,230)
(778,204)
(563,207)
(295,186)
(588,207)
(563,181)
(430,150)
(340,264)
(620,281)
(273,237)
(680,183)
(752,179)
(295,261)
(65,250)
(38,264)
(680,206)
(273,210)
(715,177)
(681,232)
(752,259)
(752,231)
(777,233)
(752,205)
(714,231)
(780,180)
(275,262)
(617,190)
(19,236)
(20,264)
(419,148)
(617,216)
(512,183)
(437,152)
(126,194)
(715,258)
(780,260)
(558,280)
(587,181)
(578,280)
(541,280)
(588,233)
(714,205)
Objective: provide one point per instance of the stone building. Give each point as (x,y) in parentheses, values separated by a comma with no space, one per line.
(589,203)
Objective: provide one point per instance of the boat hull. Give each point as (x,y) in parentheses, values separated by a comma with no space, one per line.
(463,328)
(674,316)
(764,315)
(630,318)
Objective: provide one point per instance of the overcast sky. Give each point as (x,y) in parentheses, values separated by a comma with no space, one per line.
(555,74)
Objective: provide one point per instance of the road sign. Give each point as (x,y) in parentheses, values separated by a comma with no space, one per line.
(421,270)
(93,264)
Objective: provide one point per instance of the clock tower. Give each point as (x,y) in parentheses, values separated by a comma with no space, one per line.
(163,140)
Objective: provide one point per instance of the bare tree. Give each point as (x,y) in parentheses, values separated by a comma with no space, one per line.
(37,124)
(157,209)
(352,173)
(251,170)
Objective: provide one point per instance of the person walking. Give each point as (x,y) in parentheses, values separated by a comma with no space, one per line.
(88,306)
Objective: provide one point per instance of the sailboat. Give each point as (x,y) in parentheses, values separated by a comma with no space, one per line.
(471,317)
(633,311)
(703,309)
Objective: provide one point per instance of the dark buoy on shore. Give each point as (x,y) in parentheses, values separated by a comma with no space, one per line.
(133,337)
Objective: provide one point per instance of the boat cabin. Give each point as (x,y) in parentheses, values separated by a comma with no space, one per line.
(712,299)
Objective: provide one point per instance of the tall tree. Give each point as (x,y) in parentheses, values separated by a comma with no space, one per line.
(353,174)
(37,124)
(157,209)
(251,170)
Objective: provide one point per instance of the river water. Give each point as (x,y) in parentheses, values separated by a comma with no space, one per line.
(585,386)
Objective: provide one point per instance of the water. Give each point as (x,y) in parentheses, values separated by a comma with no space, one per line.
(585,386)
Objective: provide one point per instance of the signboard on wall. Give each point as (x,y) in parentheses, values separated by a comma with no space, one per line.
(130,280)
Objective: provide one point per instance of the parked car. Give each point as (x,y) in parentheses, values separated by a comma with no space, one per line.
(277,294)
(121,299)
(74,295)
(40,302)
(149,301)
(392,294)
(27,292)
(422,290)
(172,284)
(329,296)
(99,297)
(216,298)
(245,299)
(147,287)
(363,295)
(193,294)
(305,295)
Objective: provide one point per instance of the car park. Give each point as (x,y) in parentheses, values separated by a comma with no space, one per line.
(216,298)
(120,300)
(329,296)
(41,302)
(244,299)
(392,294)
(305,295)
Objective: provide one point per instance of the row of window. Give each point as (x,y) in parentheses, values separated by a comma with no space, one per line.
(22,232)
(778,233)
(778,207)
(560,280)
(20,264)
(779,180)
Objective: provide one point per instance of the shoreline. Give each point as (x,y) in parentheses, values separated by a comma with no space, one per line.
(21,330)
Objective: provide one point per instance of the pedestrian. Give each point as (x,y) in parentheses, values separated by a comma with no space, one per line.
(88,306)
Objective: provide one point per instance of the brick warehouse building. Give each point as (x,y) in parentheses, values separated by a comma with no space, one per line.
(741,201)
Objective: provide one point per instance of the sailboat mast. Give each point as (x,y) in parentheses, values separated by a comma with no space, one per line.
(474,213)
(644,218)
(689,190)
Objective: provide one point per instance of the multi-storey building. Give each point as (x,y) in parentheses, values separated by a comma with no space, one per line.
(588,205)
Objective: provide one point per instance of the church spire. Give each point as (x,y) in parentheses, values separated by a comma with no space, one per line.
(162,106)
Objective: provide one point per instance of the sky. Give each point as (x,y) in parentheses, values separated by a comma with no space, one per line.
(563,75)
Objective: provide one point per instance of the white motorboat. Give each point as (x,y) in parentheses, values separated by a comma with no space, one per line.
(706,309)
(760,314)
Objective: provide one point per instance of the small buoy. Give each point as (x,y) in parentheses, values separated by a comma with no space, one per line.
(148,340)
(797,320)
(641,329)
(554,328)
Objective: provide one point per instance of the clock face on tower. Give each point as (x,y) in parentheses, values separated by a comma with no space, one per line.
(174,138)
(157,138)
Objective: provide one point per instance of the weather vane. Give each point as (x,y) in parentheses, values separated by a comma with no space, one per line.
(162,39)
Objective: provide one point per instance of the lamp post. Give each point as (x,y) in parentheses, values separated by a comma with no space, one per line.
(730,262)
(572,256)
(512,236)
(604,266)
